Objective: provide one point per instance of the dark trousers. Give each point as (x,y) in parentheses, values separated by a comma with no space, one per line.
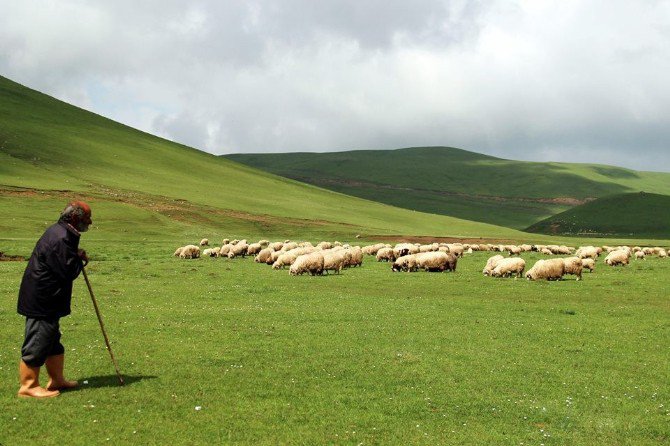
(42,339)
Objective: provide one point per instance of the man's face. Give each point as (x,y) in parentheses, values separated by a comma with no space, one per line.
(83,222)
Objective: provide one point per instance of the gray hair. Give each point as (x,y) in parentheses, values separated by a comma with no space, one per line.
(70,211)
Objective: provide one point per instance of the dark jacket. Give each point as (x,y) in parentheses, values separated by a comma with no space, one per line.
(46,288)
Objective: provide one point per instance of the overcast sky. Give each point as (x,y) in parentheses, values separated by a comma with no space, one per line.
(575,81)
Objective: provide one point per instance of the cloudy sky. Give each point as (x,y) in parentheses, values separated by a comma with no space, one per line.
(565,80)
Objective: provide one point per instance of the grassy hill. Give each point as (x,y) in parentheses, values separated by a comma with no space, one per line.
(641,214)
(450,181)
(144,185)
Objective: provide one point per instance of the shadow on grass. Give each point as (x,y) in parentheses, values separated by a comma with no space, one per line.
(96,382)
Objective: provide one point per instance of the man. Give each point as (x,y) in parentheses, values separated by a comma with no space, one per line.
(44,297)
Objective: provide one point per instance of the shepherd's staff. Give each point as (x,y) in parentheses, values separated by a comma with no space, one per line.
(102,326)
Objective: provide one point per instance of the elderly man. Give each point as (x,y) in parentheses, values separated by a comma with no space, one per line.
(44,297)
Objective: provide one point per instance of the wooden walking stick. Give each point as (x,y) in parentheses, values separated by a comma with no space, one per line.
(102,326)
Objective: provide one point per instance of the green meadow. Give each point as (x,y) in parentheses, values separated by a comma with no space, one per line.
(219,351)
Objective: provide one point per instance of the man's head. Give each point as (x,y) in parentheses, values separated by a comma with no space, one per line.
(77,214)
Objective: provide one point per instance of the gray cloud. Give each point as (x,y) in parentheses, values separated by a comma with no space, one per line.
(562,81)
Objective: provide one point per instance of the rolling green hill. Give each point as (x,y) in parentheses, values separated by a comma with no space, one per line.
(639,214)
(146,186)
(450,181)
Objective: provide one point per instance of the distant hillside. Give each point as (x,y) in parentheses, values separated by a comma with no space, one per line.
(623,215)
(145,186)
(455,182)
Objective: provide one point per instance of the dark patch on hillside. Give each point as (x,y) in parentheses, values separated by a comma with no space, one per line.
(615,172)
(641,214)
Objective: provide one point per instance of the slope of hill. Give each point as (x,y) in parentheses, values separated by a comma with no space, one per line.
(459,183)
(51,151)
(640,214)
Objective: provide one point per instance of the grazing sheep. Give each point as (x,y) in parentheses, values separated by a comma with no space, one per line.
(546,251)
(618,257)
(225,241)
(254,249)
(240,249)
(514,250)
(308,263)
(589,264)
(403,249)
(263,256)
(264,243)
(178,251)
(511,266)
(491,264)
(190,252)
(204,242)
(662,253)
(288,245)
(436,261)
(385,255)
(324,245)
(573,266)
(356,257)
(552,269)
(225,249)
(287,258)
(639,255)
(404,263)
(276,246)
(456,249)
(335,260)
(372,249)
(587,252)
(207,253)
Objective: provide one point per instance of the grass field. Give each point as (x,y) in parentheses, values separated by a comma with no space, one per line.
(459,183)
(369,356)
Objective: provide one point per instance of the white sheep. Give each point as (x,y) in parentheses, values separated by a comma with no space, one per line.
(324,245)
(373,249)
(335,259)
(263,256)
(639,255)
(491,264)
(589,264)
(662,253)
(308,263)
(618,257)
(385,255)
(551,269)
(254,249)
(355,257)
(587,252)
(178,251)
(436,261)
(574,266)
(511,266)
(240,249)
(204,242)
(405,263)
(403,249)
(225,249)
(190,252)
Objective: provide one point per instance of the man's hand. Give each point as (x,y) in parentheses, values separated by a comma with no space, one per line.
(83,256)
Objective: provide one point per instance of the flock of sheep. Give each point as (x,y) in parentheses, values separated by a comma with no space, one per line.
(303,257)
